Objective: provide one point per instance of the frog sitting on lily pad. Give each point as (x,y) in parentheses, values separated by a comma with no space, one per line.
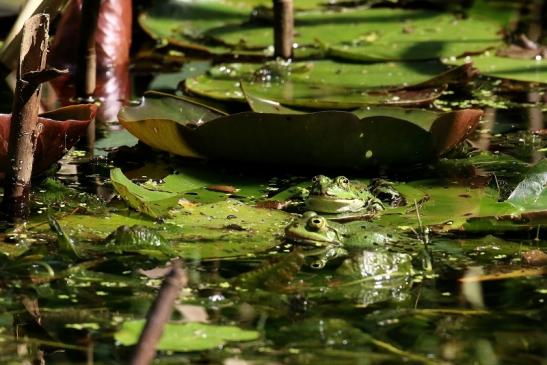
(340,199)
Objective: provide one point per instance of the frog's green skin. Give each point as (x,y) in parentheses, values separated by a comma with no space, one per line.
(377,263)
(339,195)
(137,239)
(313,229)
(316,230)
(125,239)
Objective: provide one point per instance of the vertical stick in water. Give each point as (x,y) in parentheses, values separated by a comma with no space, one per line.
(158,315)
(283,28)
(26,102)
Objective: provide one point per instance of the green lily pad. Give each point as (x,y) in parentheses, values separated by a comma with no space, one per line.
(417,36)
(443,205)
(329,139)
(305,139)
(322,84)
(186,337)
(354,33)
(152,203)
(528,70)
(228,228)
(195,184)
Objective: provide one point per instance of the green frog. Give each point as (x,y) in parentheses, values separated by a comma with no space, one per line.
(340,196)
(313,229)
(135,239)
(336,239)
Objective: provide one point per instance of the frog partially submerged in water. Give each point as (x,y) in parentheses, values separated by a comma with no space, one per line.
(313,229)
(333,239)
(135,239)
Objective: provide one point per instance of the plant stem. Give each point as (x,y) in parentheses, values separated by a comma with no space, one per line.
(283,28)
(158,314)
(86,63)
(86,69)
(26,103)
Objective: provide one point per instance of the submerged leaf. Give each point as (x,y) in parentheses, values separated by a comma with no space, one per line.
(186,337)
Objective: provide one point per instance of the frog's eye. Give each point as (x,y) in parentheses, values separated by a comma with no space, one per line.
(315,179)
(309,214)
(342,181)
(316,223)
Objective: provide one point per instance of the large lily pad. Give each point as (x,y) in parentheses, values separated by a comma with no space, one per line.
(228,228)
(325,84)
(329,139)
(195,185)
(186,337)
(360,33)
(58,131)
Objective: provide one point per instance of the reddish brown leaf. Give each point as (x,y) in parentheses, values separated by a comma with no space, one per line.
(452,128)
(112,41)
(228,189)
(534,258)
(58,132)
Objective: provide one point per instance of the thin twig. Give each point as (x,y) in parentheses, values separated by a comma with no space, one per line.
(158,314)
(409,355)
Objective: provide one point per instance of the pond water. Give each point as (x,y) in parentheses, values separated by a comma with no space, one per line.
(471,289)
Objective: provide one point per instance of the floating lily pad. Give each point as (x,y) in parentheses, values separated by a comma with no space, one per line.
(329,139)
(149,202)
(528,70)
(155,122)
(444,205)
(418,36)
(189,184)
(227,228)
(186,337)
(358,33)
(324,84)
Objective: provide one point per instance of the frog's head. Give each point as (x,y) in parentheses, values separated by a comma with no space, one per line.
(336,195)
(312,229)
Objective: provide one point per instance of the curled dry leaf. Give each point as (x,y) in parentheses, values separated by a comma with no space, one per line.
(57,130)
(534,258)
